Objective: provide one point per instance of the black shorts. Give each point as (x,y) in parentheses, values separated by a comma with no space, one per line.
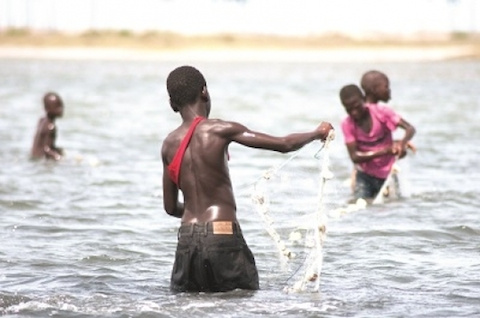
(367,186)
(213,257)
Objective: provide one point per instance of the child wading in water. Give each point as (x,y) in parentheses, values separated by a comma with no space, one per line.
(45,136)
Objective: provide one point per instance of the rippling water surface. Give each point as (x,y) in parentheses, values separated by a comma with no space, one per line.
(87,237)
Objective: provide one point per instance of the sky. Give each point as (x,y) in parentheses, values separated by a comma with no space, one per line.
(282,17)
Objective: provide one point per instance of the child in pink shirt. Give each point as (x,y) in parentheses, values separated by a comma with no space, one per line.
(368,137)
(383,122)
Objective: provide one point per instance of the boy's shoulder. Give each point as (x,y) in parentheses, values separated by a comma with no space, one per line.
(44,122)
(347,121)
(380,108)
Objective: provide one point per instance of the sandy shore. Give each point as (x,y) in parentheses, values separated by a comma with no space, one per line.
(331,54)
(163,46)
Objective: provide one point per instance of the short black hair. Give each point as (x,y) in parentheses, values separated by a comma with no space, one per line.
(371,79)
(50,96)
(350,90)
(184,84)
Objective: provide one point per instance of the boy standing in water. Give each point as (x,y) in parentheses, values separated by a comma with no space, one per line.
(368,131)
(376,87)
(212,255)
(45,136)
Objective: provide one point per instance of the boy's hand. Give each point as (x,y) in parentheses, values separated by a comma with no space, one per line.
(411,147)
(324,129)
(399,149)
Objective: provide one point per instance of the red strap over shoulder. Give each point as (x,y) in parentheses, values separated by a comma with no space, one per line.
(174,166)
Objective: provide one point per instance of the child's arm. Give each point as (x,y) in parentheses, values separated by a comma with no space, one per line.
(51,152)
(402,146)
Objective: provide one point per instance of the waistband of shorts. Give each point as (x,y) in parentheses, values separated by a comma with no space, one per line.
(214,227)
(361,173)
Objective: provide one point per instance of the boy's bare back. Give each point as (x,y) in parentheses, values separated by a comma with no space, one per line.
(204,177)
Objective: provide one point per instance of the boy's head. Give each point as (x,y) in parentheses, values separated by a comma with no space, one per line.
(353,101)
(376,86)
(184,85)
(53,104)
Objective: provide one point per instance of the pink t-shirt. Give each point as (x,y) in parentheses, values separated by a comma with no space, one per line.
(384,122)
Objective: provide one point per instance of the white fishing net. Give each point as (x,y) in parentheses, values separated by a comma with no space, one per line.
(301,251)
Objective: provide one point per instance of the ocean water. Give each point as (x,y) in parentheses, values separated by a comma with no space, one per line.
(88,237)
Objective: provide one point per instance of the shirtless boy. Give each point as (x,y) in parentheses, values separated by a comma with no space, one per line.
(368,131)
(211,255)
(45,136)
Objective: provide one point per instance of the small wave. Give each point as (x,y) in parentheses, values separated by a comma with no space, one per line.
(448,197)
(9,300)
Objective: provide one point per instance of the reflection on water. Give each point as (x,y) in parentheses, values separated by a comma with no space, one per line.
(88,236)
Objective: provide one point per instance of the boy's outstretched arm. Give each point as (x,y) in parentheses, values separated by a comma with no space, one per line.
(288,143)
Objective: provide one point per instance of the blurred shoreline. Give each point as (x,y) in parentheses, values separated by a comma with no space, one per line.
(226,47)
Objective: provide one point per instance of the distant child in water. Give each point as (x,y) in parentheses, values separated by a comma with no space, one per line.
(45,136)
